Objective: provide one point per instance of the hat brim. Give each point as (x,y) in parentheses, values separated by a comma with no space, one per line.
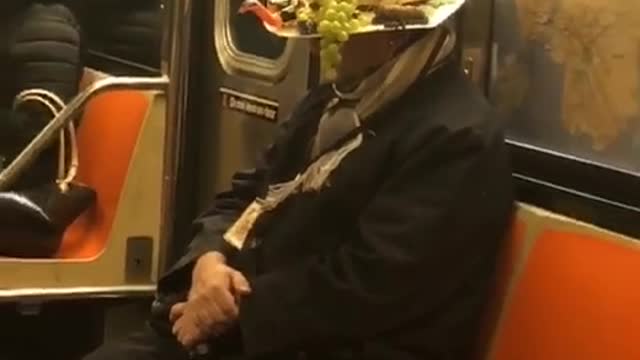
(434,17)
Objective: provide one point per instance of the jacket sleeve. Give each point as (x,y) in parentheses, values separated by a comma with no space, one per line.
(247,185)
(227,207)
(47,50)
(17,128)
(389,273)
(209,228)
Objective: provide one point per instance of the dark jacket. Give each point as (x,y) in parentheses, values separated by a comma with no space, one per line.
(41,48)
(393,260)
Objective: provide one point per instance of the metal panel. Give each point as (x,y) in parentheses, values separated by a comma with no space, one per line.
(138,266)
(233,139)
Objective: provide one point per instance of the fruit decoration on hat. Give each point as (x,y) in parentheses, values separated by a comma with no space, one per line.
(335,21)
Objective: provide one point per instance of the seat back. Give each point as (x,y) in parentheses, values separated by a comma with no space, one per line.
(115,247)
(566,290)
(106,141)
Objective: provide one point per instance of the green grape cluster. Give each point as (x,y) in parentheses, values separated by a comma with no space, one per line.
(304,14)
(335,22)
(438,3)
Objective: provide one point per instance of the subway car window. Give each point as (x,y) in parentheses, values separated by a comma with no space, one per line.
(123,37)
(567,74)
(250,37)
(245,47)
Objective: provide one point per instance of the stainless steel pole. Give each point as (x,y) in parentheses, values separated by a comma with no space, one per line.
(175,64)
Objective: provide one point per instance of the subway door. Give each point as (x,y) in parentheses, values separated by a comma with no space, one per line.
(256,80)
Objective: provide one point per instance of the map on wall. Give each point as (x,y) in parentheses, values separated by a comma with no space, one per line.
(568,75)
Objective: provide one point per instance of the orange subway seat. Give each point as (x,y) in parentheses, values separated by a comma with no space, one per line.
(107,139)
(510,256)
(576,299)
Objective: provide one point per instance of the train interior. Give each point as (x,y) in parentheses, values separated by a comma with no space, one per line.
(161,131)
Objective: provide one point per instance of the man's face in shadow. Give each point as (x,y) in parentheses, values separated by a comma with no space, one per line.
(364,52)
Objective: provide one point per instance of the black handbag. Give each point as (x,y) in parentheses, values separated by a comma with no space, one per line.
(33,221)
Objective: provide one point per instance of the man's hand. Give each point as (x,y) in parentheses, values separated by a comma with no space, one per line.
(212,303)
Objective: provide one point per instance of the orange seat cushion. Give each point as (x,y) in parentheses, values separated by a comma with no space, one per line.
(107,138)
(577,299)
(511,255)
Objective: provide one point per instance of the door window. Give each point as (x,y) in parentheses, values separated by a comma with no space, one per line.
(244,45)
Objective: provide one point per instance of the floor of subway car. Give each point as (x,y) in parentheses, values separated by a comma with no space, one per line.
(65,330)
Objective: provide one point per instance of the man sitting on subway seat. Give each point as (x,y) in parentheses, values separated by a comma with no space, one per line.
(371,228)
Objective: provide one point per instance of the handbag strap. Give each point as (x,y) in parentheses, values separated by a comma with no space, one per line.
(55,105)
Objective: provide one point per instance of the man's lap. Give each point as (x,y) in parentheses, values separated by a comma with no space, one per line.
(151,344)
(143,345)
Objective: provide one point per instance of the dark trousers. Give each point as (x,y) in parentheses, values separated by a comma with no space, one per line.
(147,344)
(157,343)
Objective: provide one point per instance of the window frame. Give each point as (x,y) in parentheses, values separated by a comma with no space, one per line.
(578,188)
(99,60)
(234,61)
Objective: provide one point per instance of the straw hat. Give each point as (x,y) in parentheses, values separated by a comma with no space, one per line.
(335,21)
(343,18)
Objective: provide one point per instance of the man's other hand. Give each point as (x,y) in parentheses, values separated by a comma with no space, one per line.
(212,303)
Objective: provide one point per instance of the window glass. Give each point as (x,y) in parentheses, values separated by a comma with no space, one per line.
(567,74)
(123,37)
(250,37)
